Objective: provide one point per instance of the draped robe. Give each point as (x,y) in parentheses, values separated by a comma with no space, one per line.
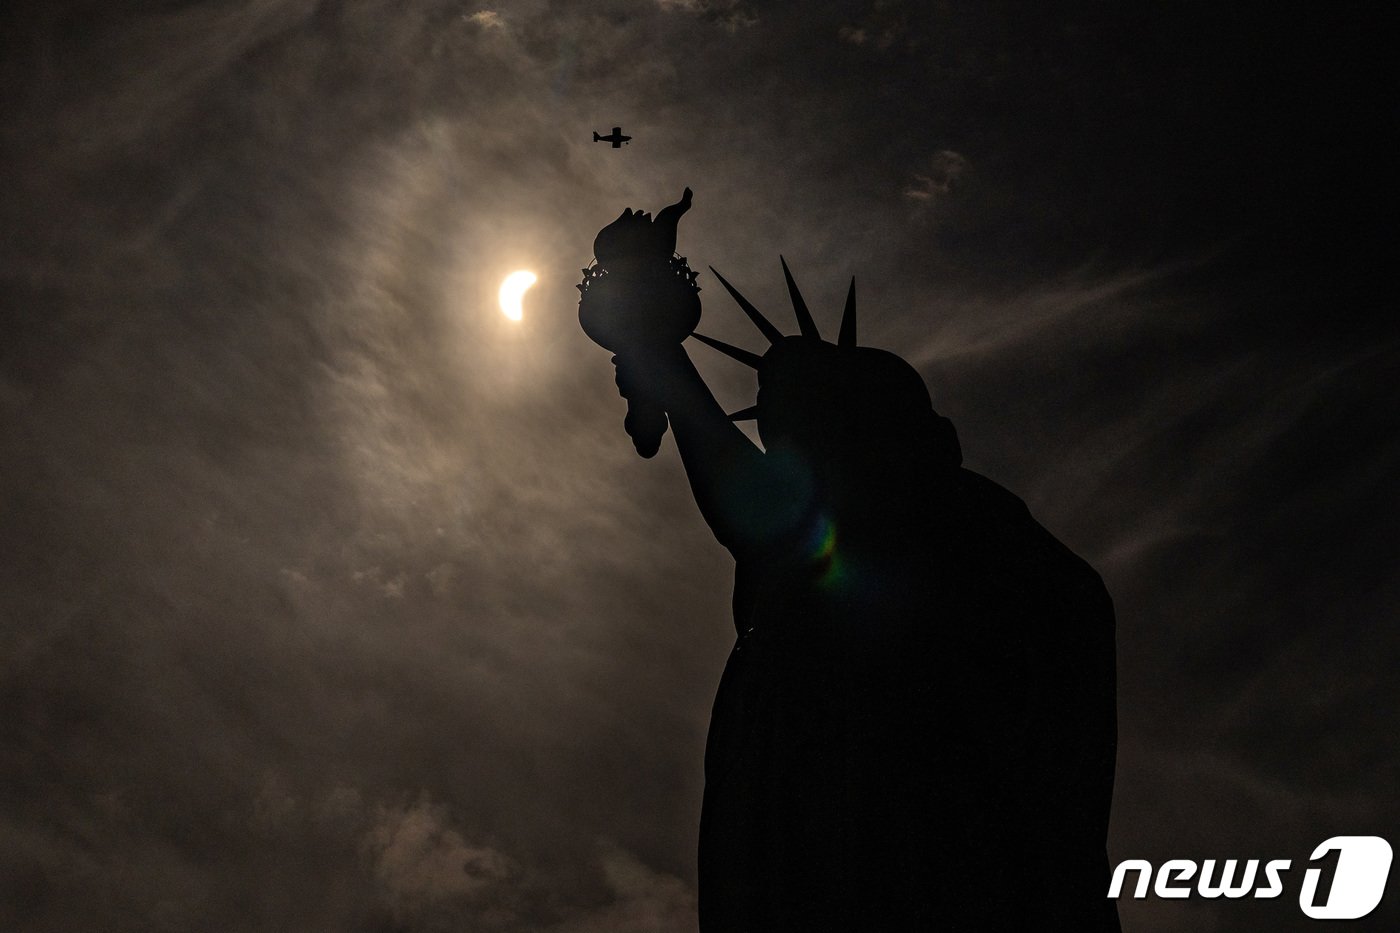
(915,729)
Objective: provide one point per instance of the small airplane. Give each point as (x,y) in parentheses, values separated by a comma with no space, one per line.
(617,139)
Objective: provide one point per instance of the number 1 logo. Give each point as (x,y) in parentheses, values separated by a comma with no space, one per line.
(1356,869)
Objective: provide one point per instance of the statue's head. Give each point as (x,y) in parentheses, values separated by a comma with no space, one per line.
(861,410)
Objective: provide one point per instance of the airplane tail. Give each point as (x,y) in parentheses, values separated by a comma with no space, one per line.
(596,137)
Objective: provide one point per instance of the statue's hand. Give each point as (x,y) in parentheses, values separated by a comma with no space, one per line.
(646,418)
(622,375)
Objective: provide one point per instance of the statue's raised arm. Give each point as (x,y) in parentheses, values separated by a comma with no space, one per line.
(639,299)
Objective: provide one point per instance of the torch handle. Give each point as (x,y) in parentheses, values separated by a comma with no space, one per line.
(646,421)
(645,424)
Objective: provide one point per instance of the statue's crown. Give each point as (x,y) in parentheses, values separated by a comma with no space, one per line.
(843,399)
(806,357)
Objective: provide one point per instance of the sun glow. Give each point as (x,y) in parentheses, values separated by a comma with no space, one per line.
(513,291)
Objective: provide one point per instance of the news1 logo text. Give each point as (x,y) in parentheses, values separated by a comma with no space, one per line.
(1344,879)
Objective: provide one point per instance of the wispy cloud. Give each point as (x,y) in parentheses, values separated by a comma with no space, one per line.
(943,171)
(731,15)
(487,19)
(423,863)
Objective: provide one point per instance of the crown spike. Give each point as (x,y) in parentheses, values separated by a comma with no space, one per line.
(751,360)
(799,306)
(745,414)
(761,322)
(848,319)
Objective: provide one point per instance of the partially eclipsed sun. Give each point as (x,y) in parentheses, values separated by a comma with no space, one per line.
(513,290)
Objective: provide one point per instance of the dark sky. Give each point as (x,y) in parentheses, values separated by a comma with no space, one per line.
(335,601)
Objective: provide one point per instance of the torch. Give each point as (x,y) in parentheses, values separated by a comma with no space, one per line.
(638,294)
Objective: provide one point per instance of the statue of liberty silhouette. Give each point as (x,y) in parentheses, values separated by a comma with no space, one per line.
(915,729)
